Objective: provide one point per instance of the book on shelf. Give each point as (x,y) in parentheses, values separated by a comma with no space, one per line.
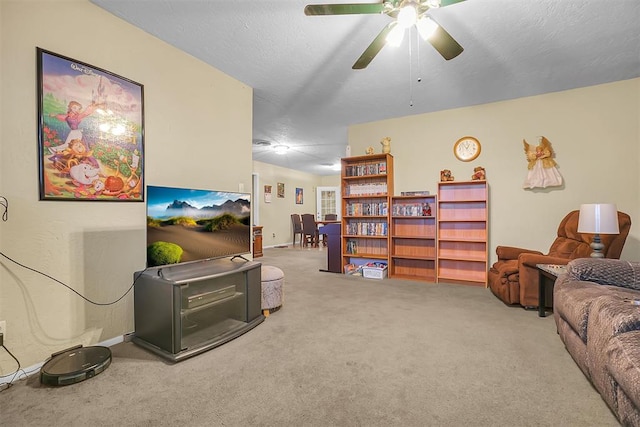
(361,228)
(412,209)
(359,248)
(415,193)
(367,209)
(366,169)
(366,189)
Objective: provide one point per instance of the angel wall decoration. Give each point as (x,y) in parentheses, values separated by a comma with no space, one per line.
(386,145)
(543,171)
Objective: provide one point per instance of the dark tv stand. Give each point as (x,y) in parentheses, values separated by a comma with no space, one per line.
(184,310)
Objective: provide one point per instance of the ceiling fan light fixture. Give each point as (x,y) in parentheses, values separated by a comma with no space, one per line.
(433,4)
(395,36)
(426,27)
(407,15)
(281,149)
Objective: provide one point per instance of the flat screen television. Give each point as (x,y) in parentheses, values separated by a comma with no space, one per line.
(187,225)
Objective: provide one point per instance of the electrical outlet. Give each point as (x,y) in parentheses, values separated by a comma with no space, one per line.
(274,235)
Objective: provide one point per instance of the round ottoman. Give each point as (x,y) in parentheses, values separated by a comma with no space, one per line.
(272,292)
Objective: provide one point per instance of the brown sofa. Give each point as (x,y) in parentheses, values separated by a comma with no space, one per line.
(599,322)
(514,277)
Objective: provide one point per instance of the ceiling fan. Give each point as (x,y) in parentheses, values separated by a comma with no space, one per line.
(406,13)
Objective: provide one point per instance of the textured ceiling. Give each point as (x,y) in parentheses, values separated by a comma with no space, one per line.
(306,94)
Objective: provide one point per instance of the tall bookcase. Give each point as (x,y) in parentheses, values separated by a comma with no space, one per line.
(413,238)
(367,183)
(463,232)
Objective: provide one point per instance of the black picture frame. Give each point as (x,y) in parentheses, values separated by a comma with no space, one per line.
(90,132)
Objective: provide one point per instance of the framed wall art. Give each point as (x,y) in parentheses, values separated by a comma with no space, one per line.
(267,194)
(299,196)
(90,132)
(281,190)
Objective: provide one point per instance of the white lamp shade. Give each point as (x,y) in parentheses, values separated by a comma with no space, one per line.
(407,16)
(395,36)
(598,218)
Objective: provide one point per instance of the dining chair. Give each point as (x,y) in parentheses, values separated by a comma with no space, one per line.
(328,217)
(297,228)
(309,229)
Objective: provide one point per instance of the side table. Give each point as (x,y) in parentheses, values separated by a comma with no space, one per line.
(257,241)
(547,275)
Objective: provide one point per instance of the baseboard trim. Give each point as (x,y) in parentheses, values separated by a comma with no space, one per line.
(278,246)
(25,373)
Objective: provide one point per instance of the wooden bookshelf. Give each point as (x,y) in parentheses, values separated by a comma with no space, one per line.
(367,183)
(462,218)
(413,238)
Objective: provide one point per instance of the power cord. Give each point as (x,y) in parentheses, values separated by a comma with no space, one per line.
(26,374)
(5,216)
(5,204)
(73,290)
(10,383)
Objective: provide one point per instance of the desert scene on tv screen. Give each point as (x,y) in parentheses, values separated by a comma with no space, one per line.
(190,225)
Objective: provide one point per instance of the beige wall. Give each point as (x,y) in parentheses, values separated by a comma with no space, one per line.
(330,181)
(193,112)
(594,131)
(275,217)
(198,125)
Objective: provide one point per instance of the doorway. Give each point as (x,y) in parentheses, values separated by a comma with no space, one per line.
(327,202)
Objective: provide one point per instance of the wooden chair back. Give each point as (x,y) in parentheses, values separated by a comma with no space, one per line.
(297,228)
(309,229)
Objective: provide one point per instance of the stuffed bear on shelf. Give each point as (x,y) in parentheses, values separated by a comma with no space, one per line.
(445,175)
(478,174)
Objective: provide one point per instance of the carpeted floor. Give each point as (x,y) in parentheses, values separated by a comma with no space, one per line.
(342,351)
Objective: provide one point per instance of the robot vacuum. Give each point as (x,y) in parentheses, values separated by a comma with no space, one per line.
(75,364)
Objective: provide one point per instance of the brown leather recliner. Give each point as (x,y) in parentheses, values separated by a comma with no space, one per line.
(514,277)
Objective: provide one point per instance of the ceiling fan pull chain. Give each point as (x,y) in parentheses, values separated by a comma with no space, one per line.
(419,66)
(410,67)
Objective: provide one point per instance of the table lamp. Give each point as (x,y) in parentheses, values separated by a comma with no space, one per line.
(597,219)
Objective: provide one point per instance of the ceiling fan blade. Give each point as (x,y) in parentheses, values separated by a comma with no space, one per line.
(343,9)
(444,3)
(445,44)
(376,45)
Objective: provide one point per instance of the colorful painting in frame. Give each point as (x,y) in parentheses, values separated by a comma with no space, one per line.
(299,196)
(90,132)
(281,190)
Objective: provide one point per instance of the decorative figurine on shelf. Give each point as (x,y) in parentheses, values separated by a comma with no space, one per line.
(386,145)
(478,174)
(445,175)
(369,150)
(426,209)
(543,170)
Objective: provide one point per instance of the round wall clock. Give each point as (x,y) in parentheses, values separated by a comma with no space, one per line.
(467,148)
